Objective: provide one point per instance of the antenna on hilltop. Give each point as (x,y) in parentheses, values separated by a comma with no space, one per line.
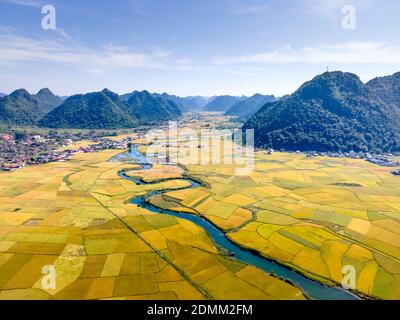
(327,69)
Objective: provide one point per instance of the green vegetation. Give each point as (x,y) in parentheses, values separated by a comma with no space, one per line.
(149,109)
(24,109)
(106,110)
(333,112)
(97,110)
(387,88)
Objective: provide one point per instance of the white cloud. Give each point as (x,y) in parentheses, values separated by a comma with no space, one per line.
(251,9)
(342,53)
(62,49)
(64,36)
(64,7)
(183,62)
(26,3)
(332,8)
(160,53)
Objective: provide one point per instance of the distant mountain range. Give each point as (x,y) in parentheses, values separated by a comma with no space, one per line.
(106,110)
(222,103)
(98,110)
(250,105)
(333,112)
(186,104)
(22,108)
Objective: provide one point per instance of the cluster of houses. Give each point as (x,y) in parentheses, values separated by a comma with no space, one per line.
(378,159)
(18,151)
(384,160)
(104,144)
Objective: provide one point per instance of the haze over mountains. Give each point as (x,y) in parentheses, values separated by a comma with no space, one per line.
(101,110)
(187,104)
(333,112)
(222,103)
(250,105)
(94,110)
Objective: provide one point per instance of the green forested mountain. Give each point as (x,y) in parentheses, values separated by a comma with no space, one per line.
(22,108)
(152,109)
(106,110)
(249,106)
(185,104)
(387,88)
(175,99)
(97,110)
(222,103)
(47,101)
(334,111)
(19,108)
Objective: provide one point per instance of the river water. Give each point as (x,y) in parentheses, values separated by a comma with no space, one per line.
(311,288)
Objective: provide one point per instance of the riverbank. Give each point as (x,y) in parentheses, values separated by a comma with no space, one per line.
(313,289)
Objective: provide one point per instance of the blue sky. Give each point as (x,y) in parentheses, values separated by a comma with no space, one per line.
(193,47)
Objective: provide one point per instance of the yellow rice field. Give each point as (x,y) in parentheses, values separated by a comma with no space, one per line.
(313,214)
(75,216)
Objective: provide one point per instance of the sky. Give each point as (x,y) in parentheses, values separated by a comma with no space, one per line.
(194,47)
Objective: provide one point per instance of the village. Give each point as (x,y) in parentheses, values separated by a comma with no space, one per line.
(383,160)
(19,150)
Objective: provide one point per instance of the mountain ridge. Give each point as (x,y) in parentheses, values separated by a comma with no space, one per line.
(150,109)
(107,110)
(95,110)
(334,111)
(386,88)
(250,105)
(222,103)
(22,108)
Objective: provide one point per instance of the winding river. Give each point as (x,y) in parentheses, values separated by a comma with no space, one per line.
(311,288)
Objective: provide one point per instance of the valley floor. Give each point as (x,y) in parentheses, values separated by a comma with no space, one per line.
(74,216)
(315,215)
